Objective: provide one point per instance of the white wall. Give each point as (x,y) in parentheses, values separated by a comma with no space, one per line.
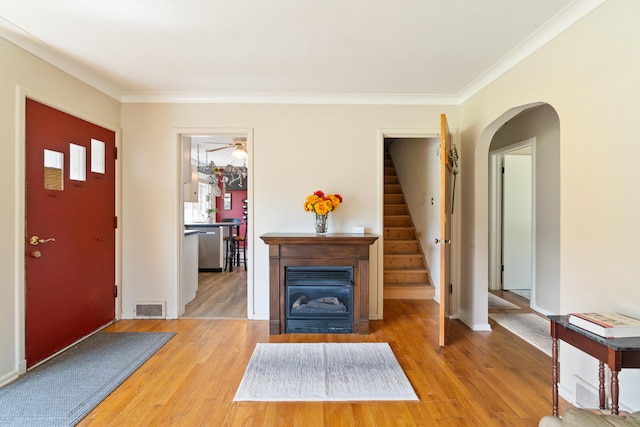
(23,74)
(294,150)
(589,75)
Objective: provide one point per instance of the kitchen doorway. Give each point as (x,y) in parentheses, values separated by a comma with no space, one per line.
(215,177)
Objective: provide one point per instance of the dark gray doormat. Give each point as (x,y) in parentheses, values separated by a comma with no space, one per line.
(63,390)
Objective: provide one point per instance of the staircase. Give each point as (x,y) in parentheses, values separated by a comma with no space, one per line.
(406,275)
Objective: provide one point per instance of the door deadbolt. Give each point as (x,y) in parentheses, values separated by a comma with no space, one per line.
(35,240)
(35,254)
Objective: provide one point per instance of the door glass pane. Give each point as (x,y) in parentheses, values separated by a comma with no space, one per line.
(97,156)
(77,162)
(53,168)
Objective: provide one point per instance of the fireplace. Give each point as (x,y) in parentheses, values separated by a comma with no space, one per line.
(311,251)
(319,299)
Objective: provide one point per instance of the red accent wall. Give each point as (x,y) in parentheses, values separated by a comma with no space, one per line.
(236,210)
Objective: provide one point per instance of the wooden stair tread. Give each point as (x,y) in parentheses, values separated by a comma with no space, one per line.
(409,285)
(404,255)
(404,247)
(409,292)
(409,254)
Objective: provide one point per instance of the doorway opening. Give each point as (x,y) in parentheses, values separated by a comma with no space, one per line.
(421,172)
(412,218)
(527,139)
(538,127)
(215,213)
(512,206)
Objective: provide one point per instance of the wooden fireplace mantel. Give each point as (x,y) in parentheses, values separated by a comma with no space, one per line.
(308,249)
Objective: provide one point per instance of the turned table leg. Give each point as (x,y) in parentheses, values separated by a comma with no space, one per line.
(554,353)
(601,392)
(615,389)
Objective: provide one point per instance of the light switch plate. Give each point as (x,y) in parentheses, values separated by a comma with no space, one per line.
(358,230)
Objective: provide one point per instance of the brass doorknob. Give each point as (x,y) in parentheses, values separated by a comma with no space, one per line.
(34,240)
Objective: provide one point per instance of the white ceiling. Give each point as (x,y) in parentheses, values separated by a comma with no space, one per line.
(376,51)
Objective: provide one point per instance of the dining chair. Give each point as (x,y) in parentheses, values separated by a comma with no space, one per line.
(240,242)
(229,248)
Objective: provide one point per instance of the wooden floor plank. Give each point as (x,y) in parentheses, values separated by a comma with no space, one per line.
(220,295)
(478,379)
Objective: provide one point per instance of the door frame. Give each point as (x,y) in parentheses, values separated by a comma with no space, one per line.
(179,133)
(22,94)
(433,133)
(495,211)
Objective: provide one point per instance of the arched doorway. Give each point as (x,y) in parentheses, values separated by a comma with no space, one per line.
(539,121)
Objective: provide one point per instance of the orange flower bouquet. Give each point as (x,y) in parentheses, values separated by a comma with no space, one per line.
(321,204)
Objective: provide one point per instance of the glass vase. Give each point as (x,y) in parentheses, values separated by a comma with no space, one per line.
(321,223)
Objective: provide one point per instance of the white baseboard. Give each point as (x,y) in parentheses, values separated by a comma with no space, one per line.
(476,327)
(8,377)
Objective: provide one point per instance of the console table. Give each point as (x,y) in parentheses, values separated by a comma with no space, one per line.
(306,249)
(617,353)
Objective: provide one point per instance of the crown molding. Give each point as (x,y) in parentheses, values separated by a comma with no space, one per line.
(288,98)
(543,35)
(555,26)
(31,44)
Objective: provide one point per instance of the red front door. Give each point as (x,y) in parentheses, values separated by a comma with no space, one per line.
(70,229)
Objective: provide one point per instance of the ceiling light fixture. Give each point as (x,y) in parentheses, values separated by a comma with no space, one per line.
(239,154)
(240,149)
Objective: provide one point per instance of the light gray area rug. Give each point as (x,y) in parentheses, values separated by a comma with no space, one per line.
(497,302)
(530,327)
(63,390)
(525,293)
(324,372)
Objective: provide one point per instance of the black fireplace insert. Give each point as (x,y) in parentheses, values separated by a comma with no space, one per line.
(319,299)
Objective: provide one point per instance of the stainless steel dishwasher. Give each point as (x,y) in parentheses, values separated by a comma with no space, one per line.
(210,246)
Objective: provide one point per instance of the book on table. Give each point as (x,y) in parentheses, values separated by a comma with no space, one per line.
(607,325)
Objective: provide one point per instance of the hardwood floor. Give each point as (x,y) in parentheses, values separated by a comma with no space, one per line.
(220,296)
(478,379)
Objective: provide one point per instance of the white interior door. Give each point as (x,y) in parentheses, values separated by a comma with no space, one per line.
(516,223)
